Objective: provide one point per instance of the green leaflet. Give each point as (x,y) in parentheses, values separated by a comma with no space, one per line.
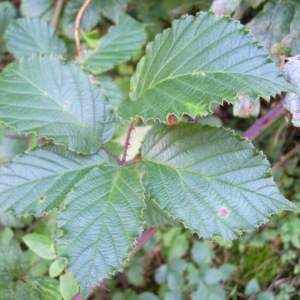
(40,180)
(197,61)
(28,36)
(57,101)
(122,42)
(211,180)
(100,223)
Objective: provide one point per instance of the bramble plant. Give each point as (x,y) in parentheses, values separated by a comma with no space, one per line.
(209,179)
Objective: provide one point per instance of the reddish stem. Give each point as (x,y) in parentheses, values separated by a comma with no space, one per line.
(264,122)
(127,144)
(146,235)
(112,155)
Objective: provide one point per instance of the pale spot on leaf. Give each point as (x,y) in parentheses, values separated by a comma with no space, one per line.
(223,211)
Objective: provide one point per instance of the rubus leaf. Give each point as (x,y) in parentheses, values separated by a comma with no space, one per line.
(223,184)
(39,181)
(197,61)
(28,36)
(57,101)
(122,42)
(100,223)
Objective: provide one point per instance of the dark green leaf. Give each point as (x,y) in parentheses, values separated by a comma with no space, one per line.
(122,42)
(28,36)
(40,180)
(198,61)
(100,223)
(223,184)
(57,101)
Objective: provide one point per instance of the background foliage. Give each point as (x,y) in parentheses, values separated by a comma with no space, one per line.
(173,264)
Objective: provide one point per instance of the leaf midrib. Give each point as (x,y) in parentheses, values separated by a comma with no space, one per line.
(207,178)
(239,75)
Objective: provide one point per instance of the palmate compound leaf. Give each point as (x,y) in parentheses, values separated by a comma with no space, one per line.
(40,180)
(58,101)
(122,42)
(100,223)
(210,179)
(27,36)
(197,61)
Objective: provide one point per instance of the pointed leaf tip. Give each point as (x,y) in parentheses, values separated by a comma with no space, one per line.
(197,61)
(223,184)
